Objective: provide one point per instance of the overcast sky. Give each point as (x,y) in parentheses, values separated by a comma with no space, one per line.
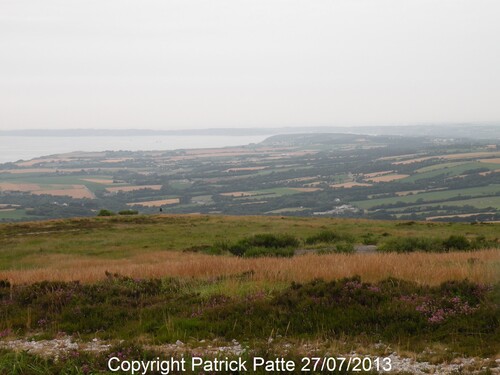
(172,64)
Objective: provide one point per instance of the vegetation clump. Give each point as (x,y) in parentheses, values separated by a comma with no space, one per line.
(267,244)
(328,236)
(105,212)
(128,212)
(166,310)
(451,243)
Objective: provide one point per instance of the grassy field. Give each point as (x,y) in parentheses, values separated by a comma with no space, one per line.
(140,284)
(82,249)
(432,196)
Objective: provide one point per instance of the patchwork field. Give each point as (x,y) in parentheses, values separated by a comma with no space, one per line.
(341,175)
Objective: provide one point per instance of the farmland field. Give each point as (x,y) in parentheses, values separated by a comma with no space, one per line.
(339,175)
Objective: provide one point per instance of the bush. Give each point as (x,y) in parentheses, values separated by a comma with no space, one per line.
(410,244)
(328,236)
(265,245)
(104,212)
(344,247)
(128,212)
(369,239)
(456,243)
(255,252)
(269,240)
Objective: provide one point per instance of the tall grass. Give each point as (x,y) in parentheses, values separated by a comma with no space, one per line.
(424,268)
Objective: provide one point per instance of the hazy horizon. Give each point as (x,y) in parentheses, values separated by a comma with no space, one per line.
(125,64)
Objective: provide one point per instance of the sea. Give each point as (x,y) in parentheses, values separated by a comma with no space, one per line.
(15,148)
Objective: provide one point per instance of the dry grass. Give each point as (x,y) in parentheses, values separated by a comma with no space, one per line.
(158,203)
(377,174)
(99,180)
(424,268)
(74,191)
(494,161)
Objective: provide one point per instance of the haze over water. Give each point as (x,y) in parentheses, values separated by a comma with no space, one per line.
(25,148)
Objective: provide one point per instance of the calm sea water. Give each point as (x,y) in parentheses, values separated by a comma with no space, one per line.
(25,148)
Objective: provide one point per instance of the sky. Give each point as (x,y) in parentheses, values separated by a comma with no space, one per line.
(175,64)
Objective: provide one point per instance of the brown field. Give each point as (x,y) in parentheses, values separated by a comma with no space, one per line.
(30,170)
(376,174)
(7,209)
(133,188)
(99,180)
(388,178)
(74,191)
(348,185)
(489,172)
(494,160)
(158,203)
(18,187)
(423,268)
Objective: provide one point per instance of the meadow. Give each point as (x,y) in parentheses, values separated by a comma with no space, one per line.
(156,285)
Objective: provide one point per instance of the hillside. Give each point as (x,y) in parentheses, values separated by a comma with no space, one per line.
(331,175)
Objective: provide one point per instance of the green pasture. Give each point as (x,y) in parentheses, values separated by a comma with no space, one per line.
(432,196)
(450,171)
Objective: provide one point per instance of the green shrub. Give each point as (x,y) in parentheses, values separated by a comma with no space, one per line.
(128,212)
(410,244)
(456,242)
(105,212)
(255,252)
(238,249)
(344,247)
(328,236)
(269,240)
(369,239)
(266,244)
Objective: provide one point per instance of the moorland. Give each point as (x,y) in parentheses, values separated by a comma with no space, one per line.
(75,292)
